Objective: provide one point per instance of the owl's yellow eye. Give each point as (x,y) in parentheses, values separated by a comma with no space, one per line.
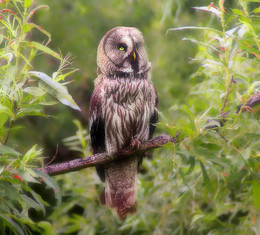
(122,47)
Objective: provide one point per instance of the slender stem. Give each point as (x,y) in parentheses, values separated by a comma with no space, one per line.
(228,77)
(8,133)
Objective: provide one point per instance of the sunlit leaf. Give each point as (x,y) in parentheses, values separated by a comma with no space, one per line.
(43,48)
(209,9)
(63,76)
(202,43)
(257,10)
(5,109)
(61,91)
(27,3)
(195,27)
(238,12)
(31,154)
(34,10)
(35,91)
(7,150)
(47,226)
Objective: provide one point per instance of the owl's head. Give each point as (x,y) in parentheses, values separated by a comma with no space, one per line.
(121,52)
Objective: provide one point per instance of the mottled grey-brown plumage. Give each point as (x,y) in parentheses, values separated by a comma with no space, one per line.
(122,112)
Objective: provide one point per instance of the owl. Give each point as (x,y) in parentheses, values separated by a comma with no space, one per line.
(123,113)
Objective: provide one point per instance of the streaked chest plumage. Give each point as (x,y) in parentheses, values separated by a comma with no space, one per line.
(128,105)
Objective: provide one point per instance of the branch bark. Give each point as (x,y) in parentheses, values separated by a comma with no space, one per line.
(157,142)
(101,158)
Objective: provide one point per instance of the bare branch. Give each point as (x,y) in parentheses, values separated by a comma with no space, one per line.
(255,100)
(101,158)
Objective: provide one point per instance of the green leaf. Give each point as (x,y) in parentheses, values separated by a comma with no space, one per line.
(48,103)
(51,183)
(63,76)
(195,27)
(31,154)
(257,10)
(8,151)
(209,9)
(58,90)
(29,26)
(14,227)
(238,12)
(204,173)
(43,48)
(35,91)
(27,3)
(33,11)
(202,43)
(3,118)
(5,109)
(30,110)
(48,228)
(31,203)
(256,193)
(192,165)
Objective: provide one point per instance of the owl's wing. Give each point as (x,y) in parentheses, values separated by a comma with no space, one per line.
(153,121)
(154,117)
(97,126)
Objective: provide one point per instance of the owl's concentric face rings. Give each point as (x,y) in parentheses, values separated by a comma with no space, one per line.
(122,44)
(121,52)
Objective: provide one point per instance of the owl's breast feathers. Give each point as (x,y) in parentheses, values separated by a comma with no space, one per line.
(129,104)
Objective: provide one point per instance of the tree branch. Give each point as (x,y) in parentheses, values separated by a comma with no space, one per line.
(157,142)
(255,100)
(101,158)
(252,102)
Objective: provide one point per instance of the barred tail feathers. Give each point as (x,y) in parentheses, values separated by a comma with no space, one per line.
(121,186)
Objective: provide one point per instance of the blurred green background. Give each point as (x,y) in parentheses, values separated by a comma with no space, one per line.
(165,204)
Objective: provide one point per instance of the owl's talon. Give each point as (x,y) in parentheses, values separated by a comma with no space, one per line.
(135,143)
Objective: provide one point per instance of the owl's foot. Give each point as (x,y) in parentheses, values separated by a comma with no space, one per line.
(135,143)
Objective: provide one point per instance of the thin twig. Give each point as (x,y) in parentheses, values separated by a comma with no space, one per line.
(228,80)
(255,100)
(8,133)
(252,102)
(54,157)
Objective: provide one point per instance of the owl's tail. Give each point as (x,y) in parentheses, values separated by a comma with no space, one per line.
(121,186)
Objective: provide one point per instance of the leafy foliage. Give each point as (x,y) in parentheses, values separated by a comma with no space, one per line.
(225,161)
(22,96)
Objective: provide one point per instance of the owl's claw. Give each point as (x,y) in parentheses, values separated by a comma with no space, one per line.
(135,143)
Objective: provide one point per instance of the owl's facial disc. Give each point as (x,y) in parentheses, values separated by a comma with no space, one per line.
(124,49)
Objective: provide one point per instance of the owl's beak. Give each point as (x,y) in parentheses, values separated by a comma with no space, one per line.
(134,55)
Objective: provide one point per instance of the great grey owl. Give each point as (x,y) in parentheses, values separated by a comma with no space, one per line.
(123,113)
